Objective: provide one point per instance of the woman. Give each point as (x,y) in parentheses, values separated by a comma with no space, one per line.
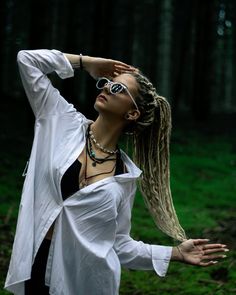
(74,217)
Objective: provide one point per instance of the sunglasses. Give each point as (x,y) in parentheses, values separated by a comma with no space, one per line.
(114,87)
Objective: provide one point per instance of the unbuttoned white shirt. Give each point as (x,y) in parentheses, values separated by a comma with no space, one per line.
(91,234)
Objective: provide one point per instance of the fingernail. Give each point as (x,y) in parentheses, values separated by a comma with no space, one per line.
(226,250)
(223,256)
(214,262)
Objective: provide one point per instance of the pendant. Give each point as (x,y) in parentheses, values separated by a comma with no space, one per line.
(93,154)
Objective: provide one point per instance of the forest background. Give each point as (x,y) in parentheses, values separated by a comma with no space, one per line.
(187,49)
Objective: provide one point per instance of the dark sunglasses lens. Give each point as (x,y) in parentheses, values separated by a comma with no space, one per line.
(101,83)
(116,88)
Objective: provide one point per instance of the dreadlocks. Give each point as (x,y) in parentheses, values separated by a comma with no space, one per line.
(151,154)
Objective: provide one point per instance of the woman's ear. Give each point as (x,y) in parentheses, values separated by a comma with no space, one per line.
(132,115)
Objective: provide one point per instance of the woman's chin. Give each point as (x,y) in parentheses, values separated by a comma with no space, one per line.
(100,106)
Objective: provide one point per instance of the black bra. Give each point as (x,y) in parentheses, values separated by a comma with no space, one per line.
(69,182)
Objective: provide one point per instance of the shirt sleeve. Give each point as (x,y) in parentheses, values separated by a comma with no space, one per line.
(136,254)
(34,65)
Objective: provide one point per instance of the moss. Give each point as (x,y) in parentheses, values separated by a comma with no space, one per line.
(203,188)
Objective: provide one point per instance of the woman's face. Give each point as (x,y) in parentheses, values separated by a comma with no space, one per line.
(118,104)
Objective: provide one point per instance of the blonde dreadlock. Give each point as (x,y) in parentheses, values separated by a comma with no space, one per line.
(151,154)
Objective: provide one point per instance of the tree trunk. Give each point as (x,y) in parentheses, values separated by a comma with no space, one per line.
(204,28)
(164,48)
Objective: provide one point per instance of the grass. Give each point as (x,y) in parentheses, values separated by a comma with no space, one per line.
(203,186)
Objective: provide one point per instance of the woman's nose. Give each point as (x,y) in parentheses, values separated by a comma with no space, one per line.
(107,88)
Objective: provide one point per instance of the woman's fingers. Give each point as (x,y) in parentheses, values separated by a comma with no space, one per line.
(210,257)
(202,243)
(212,262)
(209,246)
(200,252)
(197,242)
(121,68)
(121,64)
(213,250)
(119,71)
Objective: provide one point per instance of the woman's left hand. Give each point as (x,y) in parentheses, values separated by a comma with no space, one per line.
(199,252)
(103,67)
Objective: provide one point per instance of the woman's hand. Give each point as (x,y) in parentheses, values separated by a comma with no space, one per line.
(103,67)
(199,252)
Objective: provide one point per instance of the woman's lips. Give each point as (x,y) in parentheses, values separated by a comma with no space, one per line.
(102,97)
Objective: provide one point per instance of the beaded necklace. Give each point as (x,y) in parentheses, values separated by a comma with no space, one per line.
(98,145)
(90,152)
(93,157)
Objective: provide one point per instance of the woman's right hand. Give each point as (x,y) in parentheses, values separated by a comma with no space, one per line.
(103,67)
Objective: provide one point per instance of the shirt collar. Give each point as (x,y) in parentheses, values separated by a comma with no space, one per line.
(133,171)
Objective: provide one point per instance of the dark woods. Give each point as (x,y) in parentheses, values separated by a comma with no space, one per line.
(185,47)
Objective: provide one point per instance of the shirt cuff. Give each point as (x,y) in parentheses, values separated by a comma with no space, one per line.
(161,258)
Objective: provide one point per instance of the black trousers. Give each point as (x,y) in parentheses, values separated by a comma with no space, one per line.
(36,285)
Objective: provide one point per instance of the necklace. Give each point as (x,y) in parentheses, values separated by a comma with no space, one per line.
(93,157)
(91,152)
(98,145)
(84,181)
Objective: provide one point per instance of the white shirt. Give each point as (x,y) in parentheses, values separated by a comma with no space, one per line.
(91,234)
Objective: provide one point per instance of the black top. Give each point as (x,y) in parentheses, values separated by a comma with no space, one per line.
(70,183)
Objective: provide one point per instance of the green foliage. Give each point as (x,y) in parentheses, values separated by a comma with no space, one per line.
(203,187)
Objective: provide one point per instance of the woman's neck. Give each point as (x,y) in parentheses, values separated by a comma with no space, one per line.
(106,132)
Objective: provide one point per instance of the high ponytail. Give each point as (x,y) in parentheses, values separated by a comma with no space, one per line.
(151,138)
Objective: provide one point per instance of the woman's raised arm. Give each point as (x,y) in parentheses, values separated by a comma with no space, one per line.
(99,67)
(34,66)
